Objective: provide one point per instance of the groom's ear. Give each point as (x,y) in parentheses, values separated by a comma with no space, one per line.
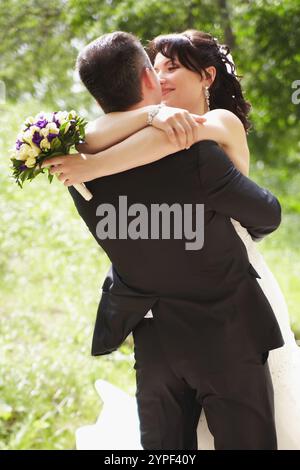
(148,78)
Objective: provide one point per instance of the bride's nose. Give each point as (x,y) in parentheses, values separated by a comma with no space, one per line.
(160,75)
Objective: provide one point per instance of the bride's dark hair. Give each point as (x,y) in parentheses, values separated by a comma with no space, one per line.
(196,51)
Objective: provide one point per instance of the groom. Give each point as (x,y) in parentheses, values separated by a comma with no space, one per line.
(207,343)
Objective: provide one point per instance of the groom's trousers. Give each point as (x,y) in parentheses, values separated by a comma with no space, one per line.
(238,402)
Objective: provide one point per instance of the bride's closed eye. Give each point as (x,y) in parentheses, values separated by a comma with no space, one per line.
(168,67)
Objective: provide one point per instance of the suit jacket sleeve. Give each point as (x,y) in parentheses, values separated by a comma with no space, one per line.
(229,192)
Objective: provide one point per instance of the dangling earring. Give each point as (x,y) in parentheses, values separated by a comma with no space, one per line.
(207,96)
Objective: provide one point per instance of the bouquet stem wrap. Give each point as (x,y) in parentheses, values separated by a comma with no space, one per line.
(82,189)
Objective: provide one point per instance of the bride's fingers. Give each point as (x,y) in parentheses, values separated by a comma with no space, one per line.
(62,177)
(180,134)
(194,127)
(54,169)
(189,133)
(52,162)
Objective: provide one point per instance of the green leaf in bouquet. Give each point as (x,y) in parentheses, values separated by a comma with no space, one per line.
(82,121)
(23,175)
(82,130)
(63,127)
(55,144)
(50,177)
(16,163)
(32,174)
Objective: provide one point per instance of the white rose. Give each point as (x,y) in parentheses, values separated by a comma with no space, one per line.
(44,132)
(23,152)
(42,115)
(28,135)
(67,127)
(45,144)
(52,128)
(61,117)
(30,162)
(29,120)
(34,129)
(34,150)
(72,114)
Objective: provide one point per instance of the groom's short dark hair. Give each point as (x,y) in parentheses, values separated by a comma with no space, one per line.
(110,67)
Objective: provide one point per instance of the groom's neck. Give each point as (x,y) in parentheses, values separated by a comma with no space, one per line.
(141,104)
(149,99)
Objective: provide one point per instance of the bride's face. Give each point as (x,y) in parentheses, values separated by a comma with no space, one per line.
(181,88)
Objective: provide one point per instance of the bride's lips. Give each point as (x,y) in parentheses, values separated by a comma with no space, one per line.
(167,90)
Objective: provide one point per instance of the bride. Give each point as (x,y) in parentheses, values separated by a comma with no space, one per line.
(197,75)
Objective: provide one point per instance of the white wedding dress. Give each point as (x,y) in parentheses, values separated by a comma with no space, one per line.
(117,427)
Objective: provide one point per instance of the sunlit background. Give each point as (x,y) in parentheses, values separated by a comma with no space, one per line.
(51,268)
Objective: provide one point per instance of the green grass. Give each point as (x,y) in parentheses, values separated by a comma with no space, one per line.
(51,275)
(51,272)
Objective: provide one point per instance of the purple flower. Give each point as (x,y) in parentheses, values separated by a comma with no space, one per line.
(22,167)
(36,138)
(56,120)
(50,136)
(41,123)
(18,144)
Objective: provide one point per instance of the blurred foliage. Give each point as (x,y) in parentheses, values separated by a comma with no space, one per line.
(39,43)
(269,37)
(51,272)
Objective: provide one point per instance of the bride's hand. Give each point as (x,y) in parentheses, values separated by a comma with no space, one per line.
(74,168)
(179,125)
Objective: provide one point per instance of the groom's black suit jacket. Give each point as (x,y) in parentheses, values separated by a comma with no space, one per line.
(207,304)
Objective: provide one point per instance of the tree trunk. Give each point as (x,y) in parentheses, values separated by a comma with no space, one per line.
(225,19)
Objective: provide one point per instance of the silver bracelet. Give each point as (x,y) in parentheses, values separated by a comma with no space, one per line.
(152,113)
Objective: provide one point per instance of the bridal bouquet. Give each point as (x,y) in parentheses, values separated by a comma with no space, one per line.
(43,136)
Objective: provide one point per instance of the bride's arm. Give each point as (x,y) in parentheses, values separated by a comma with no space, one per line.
(149,145)
(143,147)
(221,125)
(113,128)
(226,128)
